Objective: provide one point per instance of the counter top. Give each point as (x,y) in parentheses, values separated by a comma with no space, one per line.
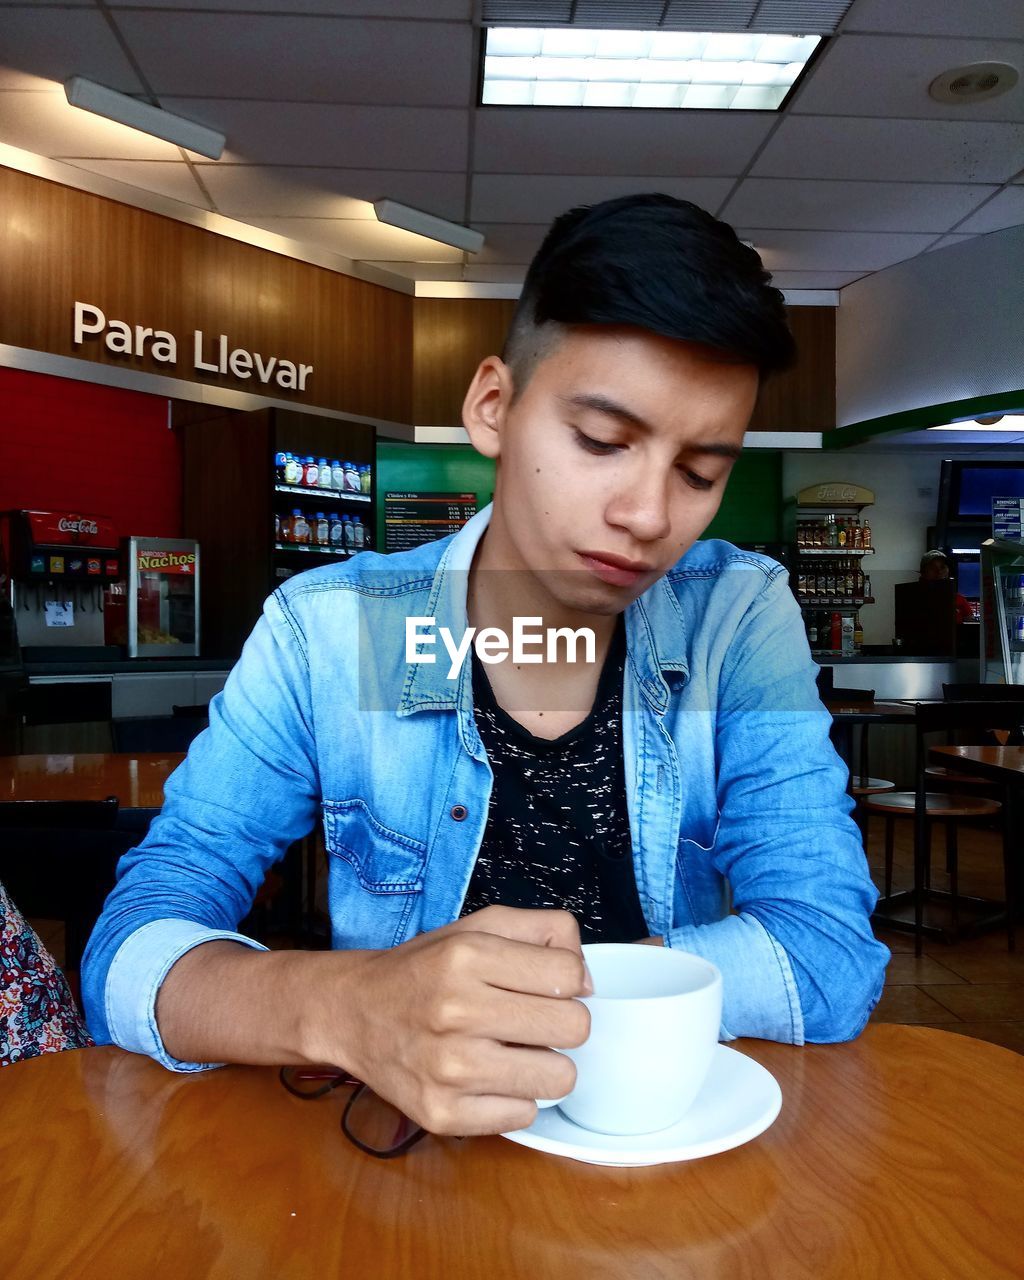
(129,666)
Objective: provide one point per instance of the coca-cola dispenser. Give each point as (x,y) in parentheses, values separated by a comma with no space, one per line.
(61,565)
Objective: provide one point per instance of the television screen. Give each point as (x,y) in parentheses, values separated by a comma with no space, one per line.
(980,484)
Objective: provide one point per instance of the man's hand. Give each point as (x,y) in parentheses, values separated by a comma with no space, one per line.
(457,1027)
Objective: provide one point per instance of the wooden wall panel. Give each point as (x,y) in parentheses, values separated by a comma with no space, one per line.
(59,245)
(452,336)
(804,397)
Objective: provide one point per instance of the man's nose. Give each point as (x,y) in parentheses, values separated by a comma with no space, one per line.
(642,505)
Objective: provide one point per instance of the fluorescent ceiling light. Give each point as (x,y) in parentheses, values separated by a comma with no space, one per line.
(123,109)
(546,66)
(1012,422)
(969,428)
(425,224)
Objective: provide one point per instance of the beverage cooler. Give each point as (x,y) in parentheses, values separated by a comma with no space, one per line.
(1002,614)
(163,597)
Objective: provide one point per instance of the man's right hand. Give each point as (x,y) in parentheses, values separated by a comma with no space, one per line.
(457,1027)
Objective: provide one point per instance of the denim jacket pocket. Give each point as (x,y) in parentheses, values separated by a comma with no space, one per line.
(384,861)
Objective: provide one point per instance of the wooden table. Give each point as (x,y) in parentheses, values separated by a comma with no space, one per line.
(136,780)
(898,1155)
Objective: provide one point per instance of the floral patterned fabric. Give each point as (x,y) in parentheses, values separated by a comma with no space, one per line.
(37,1012)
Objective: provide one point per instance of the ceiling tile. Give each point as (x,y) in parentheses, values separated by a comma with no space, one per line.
(431,138)
(853,206)
(519,197)
(495,273)
(285,191)
(46,124)
(171,178)
(947,242)
(571,141)
(890,75)
(1004,210)
(360,240)
(823,278)
(926,17)
(421,270)
(833,250)
(79,43)
(893,150)
(509,242)
(452,10)
(302,59)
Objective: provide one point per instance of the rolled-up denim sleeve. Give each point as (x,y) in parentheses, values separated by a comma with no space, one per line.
(247,790)
(798,958)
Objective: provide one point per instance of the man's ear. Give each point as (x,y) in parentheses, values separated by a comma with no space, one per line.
(486,404)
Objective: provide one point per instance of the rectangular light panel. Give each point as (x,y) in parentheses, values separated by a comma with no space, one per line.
(702,70)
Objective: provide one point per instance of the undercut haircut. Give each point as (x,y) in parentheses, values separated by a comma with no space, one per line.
(654,263)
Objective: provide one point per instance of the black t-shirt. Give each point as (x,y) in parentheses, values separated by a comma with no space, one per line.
(557,831)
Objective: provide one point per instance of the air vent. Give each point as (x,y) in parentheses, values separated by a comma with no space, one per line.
(788,17)
(973,83)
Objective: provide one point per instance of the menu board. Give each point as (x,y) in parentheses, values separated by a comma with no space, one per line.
(1008,519)
(411,519)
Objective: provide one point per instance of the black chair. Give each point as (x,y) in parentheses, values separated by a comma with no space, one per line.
(155,733)
(861,783)
(925,807)
(58,860)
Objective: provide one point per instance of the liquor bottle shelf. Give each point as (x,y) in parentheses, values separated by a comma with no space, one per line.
(836,551)
(824,602)
(328,495)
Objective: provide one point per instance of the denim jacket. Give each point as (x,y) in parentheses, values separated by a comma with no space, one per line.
(743,847)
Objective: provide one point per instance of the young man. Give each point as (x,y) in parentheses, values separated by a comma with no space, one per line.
(678,789)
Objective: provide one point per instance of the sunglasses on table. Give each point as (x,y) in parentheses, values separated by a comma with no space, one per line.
(369,1122)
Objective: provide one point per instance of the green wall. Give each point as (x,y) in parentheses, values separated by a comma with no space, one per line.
(751,510)
(431,468)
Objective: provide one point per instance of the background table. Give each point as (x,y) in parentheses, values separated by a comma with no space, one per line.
(896,1155)
(136,780)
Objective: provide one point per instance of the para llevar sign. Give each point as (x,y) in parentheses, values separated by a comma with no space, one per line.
(209,355)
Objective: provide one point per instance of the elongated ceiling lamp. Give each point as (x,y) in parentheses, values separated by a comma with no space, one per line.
(425,224)
(123,109)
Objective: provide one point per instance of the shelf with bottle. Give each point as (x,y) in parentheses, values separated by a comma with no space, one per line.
(836,551)
(326,495)
(316,551)
(327,477)
(830,602)
(834,630)
(830,533)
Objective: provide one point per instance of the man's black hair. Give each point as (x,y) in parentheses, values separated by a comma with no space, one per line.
(655,263)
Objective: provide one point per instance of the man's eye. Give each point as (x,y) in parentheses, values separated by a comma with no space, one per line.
(695,481)
(594,446)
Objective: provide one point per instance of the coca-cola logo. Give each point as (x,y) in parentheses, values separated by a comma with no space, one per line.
(77,526)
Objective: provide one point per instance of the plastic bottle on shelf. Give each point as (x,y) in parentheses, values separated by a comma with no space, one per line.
(337,533)
(323,480)
(279,467)
(365,478)
(337,476)
(357,533)
(310,473)
(351,477)
(300,528)
(277,527)
(323,529)
(346,533)
(291,472)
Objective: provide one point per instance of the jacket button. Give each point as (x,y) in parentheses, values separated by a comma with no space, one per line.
(459,812)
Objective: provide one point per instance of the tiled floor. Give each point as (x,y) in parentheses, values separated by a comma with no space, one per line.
(975,988)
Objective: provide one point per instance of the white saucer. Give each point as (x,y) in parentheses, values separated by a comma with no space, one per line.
(739,1100)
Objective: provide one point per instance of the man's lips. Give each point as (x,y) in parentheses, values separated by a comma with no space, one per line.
(616,570)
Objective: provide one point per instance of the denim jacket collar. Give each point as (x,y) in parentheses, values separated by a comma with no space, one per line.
(655,638)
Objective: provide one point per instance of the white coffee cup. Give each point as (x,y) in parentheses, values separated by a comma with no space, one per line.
(654,1022)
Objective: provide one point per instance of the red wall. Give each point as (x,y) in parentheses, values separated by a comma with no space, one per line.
(93,450)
